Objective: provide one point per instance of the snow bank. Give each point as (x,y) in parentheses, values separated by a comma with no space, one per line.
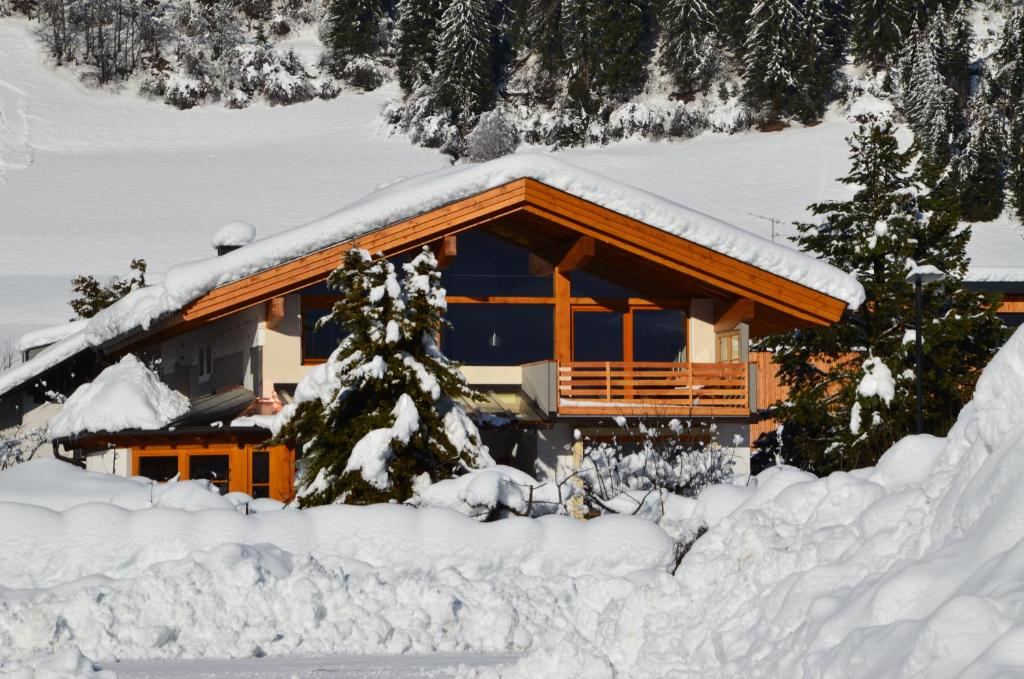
(157,582)
(58,486)
(237,601)
(66,663)
(909,569)
(126,395)
(479,492)
(46,336)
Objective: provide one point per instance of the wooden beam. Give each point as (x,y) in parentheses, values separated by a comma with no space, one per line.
(578,254)
(739,311)
(445,251)
(568,258)
(563,316)
(275,312)
(1012,304)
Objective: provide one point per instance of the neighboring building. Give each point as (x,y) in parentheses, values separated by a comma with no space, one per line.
(573,299)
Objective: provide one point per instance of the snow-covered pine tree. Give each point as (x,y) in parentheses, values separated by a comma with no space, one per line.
(1015,156)
(463,80)
(955,36)
(580,46)
(418,24)
(389,416)
(732,16)
(1009,57)
(771,58)
(353,29)
(816,64)
(980,168)
(928,104)
(545,33)
(623,29)
(851,384)
(877,30)
(689,45)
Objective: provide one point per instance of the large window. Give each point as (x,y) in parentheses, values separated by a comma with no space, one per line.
(211,467)
(659,335)
(499,334)
(489,266)
(158,467)
(597,336)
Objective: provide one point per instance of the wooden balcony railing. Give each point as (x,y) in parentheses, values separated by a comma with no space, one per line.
(596,388)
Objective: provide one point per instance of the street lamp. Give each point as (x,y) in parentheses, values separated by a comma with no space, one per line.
(919,275)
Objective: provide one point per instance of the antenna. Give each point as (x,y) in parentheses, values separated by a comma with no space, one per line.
(773,220)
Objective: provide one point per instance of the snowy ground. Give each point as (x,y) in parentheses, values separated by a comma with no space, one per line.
(440,666)
(91,179)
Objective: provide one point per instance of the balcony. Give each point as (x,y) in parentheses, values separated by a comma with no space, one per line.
(650,389)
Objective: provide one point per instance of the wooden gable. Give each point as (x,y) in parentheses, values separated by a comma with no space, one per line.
(543,218)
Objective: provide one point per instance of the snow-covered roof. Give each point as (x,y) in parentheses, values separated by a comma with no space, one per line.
(47,336)
(189,281)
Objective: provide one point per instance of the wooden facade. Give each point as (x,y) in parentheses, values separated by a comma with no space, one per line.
(246,471)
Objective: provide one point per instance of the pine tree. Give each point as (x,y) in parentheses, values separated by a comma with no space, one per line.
(392,416)
(980,169)
(1015,155)
(418,25)
(955,37)
(689,47)
(94,296)
(771,56)
(353,28)
(878,29)
(545,32)
(463,80)
(816,64)
(1009,57)
(732,18)
(851,384)
(927,105)
(580,46)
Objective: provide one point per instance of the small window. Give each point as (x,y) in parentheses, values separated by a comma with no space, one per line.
(260,474)
(205,362)
(211,467)
(159,468)
(729,347)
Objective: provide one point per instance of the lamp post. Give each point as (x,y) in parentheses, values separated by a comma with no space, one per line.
(918,276)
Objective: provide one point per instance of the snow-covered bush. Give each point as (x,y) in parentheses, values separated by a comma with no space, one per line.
(18,445)
(495,492)
(495,135)
(679,459)
(364,73)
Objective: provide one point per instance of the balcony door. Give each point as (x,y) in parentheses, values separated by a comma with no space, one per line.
(598,335)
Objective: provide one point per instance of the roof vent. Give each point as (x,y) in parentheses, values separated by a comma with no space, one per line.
(232,236)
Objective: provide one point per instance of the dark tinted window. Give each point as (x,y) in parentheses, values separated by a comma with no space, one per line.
(261,467)
(597,336)
(162,468)
(659,336)
(487,265)
(499,334)
(319,343)
(586,284)
(212,467)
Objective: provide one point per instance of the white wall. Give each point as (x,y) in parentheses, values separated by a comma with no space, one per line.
(701,335)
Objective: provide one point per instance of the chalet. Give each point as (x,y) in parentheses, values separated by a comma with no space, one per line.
(573,300)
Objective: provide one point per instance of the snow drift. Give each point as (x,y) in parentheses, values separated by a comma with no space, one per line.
(908,569)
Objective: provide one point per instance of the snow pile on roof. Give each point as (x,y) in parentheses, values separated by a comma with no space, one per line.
(234,234)
(46,336)
(908,569)
(126,395)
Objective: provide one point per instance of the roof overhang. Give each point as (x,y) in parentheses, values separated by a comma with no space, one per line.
(529,206)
